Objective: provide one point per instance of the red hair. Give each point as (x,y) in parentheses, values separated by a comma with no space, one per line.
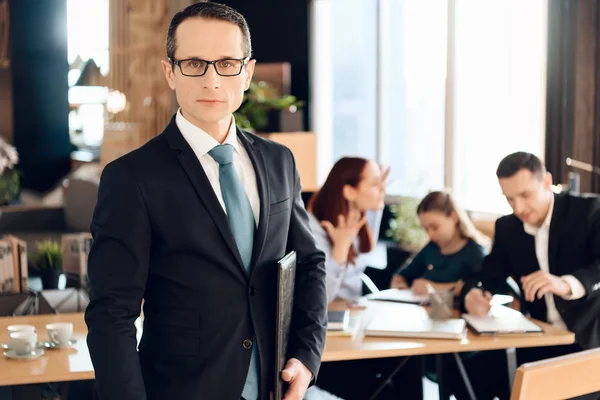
(329,202)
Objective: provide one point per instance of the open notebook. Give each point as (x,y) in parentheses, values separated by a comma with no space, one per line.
(420,328)
(502,321)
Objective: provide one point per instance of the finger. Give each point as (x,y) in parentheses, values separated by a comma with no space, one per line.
(341,221)
(290,371)
(530,291)
(287,375)
(527,278)
(271,396)
(328,227)
(296,391)
(533,285)
(535,288)
(547,288)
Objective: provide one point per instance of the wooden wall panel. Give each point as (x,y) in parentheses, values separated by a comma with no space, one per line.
(137,44)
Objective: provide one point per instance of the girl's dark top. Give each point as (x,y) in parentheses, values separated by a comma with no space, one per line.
(430,264)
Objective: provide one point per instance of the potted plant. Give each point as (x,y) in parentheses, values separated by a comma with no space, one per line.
(263,110)
(405,227)
(9,176)
(48,258)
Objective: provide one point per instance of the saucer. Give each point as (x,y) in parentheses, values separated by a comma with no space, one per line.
(51,345)
(31,356)
(5,346)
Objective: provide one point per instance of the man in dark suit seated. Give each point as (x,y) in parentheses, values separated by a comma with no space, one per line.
(193,222)
(550,246)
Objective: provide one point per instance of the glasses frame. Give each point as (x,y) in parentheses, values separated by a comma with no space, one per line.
(208,63)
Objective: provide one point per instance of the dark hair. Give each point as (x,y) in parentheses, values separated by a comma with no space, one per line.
(329,201)
(513,163)
(444,202)
(207,10)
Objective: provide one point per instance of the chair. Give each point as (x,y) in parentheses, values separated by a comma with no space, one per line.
(558,378)
(369,284)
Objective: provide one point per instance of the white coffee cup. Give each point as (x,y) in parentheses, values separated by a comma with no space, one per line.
(23,342)
(60,333)
(21,328)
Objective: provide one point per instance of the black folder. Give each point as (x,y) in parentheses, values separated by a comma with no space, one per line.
(286,276)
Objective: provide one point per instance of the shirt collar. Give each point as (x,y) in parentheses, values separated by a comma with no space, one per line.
(533,230)
(200,141)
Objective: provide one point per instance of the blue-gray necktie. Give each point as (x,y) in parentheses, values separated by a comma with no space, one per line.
(242,224)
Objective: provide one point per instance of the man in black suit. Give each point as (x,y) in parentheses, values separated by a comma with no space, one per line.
(193,222)
(550,246)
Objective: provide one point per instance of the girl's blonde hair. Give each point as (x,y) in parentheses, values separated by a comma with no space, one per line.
(443,202)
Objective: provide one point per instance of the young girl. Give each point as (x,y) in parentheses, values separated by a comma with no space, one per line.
(455,251)
(345,215)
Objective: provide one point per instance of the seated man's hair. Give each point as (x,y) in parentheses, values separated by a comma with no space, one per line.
(513,163)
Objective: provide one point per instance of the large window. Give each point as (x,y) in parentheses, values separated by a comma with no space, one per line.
(87,36)
(440,90)
(499,102)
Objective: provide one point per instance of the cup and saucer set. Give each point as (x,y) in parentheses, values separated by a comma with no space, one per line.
(24,344)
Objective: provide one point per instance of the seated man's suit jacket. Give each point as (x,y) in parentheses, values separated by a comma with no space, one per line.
(161,234)
(573,249)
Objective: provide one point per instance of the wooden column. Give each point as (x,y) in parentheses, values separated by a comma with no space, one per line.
(137,44)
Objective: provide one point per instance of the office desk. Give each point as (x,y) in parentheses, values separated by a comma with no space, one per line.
(338,348)
(75,363)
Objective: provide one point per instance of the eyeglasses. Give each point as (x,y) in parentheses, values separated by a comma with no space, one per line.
(198,67)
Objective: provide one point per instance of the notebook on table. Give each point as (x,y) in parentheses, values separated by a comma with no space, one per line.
(399,296)
(286,277)
(502,321)
(420,328)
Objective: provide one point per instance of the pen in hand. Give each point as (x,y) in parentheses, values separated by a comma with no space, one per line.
(478,301)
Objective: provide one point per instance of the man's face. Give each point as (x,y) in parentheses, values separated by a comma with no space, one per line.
(528,195)
(211,98)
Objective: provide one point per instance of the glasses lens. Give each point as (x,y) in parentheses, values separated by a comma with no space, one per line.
(193,67)
(229,67)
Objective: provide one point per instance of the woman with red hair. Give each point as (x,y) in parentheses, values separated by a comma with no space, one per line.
(345,218)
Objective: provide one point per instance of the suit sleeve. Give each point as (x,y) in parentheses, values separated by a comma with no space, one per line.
(589,275)
(495,266)
(309,320)
(117,269)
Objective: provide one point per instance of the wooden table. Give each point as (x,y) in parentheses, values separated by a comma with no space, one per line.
(72,364)
(338,348)
(75,363)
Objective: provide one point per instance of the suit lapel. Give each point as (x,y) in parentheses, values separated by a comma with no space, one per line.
(262,183)
(192,167)
(556,230)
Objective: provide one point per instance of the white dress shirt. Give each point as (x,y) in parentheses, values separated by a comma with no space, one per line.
(541,235)
(201,143)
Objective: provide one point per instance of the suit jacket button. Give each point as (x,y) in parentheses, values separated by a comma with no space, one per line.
(247,344)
